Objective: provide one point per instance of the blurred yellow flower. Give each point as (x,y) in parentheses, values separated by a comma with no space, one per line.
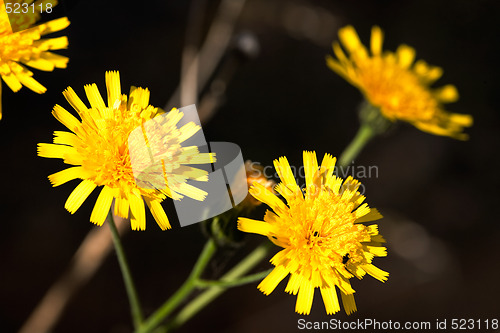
(320,228)
(396,85)
(99,150)
(26,46)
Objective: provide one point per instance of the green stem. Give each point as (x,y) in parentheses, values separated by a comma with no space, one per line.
(135,306)
(233,283)
(212,293)
(187,287)
(365,134)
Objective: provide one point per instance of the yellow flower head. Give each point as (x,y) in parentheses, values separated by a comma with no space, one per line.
(320,228)
(26,46)
(99,150)
(396,85)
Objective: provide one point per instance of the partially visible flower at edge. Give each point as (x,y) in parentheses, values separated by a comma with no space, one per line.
(397,85)
(255,174)
(320,228)
(98,148)
(26,47)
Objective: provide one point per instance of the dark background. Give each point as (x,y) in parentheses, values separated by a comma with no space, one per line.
(438,195)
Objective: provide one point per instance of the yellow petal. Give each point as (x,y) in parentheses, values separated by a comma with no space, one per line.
(348,302)
(53,26)
(188,130)
(378,251)
(94,96)
(158,214)
(427,73)
(67,175)
(330,300)
(462,120)
(350,39)
(50,150)
(31,83)
(406,55)
(254,226)
(65,138)
(59,61)
(376,40)
(41,64)
(305,297)
(272,280)
(58,43)
(372,215)
(337,68)
(376,272)
(362,211)
(79,195)
(138,218)
(261,193)
(121,207)
(440,130)
(294,283)
(328,165)
(75,101)
(102,206)
(66,118)
(12,82)
(337,50)
(191,191)
(113,88)
(285,173)
(139,96)
(310,166)
(446,94)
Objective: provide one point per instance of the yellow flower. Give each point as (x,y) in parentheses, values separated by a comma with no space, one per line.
(396,85)
(26,46)
(98,149)
(320,228)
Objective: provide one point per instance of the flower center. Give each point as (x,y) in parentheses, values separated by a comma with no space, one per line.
(104,149)
(323,232)
(396,90)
